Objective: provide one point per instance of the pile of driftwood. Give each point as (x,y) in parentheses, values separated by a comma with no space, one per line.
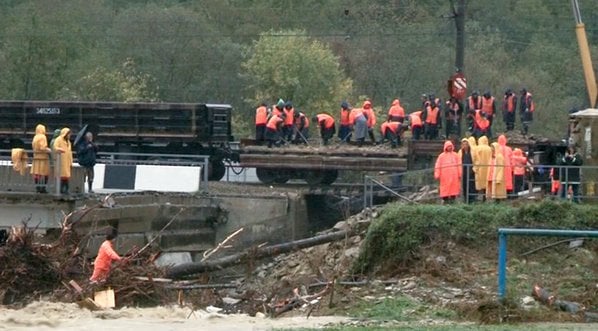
(60,270)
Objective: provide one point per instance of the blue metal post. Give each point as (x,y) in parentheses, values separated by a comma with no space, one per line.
(502,265)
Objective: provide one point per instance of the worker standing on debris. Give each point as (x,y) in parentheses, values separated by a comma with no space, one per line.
(570,173)
(416,125)
(40,167)
(344,129)
(453,112)
(519,162)
(447,171)
(62,146)
(261,119)
(289,121)
(301,128)
(527,108)
(466,156)
(483,159)
(509,107)
(481,124)
(86,155)
(103,262)
(507,153)
(370,115)
(495,187)
(273,129)
(326,125)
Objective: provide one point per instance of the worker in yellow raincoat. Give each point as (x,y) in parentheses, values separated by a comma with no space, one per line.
(40,167)
(483,156)
(62,146)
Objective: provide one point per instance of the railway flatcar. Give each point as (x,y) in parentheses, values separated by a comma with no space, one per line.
(158,128)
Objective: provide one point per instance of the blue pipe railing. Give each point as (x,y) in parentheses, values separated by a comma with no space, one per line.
(502,247)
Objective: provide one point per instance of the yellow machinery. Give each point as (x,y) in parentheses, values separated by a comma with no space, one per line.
(584,51)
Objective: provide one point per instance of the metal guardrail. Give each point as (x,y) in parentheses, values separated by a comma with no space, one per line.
(536,181)
(13,179)
(502,247)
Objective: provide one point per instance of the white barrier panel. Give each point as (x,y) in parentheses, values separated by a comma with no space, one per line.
(146,178)
(167,178)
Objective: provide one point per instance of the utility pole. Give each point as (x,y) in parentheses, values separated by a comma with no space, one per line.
(459,16)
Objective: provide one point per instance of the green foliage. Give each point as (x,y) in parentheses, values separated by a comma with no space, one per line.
(125,84)
(292,66)
(397,235)
(210,51)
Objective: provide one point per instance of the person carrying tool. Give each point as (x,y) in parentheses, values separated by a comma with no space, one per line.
(103,261)
(325,123)
(40,167)
(301,128)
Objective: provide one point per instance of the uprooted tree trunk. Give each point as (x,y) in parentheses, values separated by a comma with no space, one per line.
(187,269)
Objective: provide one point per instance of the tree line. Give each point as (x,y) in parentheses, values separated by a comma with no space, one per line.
(315,53)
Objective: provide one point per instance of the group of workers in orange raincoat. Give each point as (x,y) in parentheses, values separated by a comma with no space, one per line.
(479,168)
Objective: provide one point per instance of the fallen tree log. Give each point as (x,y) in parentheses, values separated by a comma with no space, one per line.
(187,269)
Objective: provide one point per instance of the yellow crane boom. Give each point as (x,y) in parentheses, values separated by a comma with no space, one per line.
(586,59)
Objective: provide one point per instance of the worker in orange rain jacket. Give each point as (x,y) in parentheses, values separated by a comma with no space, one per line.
(481,124)
(288,128)
(103,262)
(483,158)
(370,115)
(301,128)
(344,129)
(416,124)
(359,124)
(261,119)
(391,130)
(467,157)
(489,108)
(495,187)
(273,129)
(396,113)
(278,109)
(447,171)
(474,102)
(507,153)
(431,118)
(527,108)
(519,162)
(325,123)
(40,167)
(509,107)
